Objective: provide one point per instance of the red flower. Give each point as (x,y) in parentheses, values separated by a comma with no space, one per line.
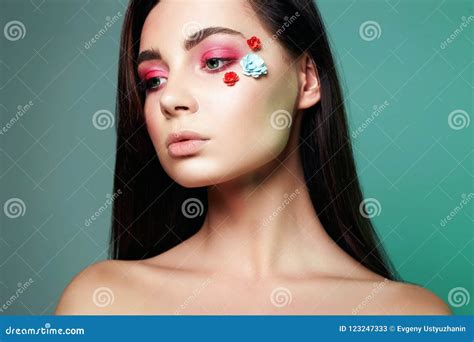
(254,43)
(230,78)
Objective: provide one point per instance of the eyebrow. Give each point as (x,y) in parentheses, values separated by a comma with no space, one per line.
(189,42)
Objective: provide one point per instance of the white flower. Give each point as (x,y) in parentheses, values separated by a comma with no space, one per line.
(253,65)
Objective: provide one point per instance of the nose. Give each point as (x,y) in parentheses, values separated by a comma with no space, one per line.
(176,99)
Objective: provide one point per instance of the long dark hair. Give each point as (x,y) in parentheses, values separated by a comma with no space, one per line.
(147,218)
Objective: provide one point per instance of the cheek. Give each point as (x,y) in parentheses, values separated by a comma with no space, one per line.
(277,108)
(254,120)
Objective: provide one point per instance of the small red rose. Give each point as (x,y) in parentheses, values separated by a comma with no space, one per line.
(254,43)
(230,78)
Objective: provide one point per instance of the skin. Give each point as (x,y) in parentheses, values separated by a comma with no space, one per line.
(236,264)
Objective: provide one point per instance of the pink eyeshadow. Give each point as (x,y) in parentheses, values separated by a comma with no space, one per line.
(221,53)
(146,73)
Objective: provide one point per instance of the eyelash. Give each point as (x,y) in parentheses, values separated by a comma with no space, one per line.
(145,84)
(228,60)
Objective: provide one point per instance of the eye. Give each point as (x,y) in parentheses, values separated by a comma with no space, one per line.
(154,82)
(217,64)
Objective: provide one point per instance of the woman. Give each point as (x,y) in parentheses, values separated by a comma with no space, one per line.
(238,188)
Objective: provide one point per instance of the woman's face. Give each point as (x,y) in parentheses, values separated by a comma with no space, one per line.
(185,90)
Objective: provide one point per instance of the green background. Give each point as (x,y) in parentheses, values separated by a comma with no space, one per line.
(410,159)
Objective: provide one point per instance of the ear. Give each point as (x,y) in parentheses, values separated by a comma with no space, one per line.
(308,81)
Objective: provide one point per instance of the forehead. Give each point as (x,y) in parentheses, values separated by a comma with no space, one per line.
(174,20)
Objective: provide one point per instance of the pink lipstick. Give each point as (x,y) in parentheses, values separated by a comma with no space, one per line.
(185,143)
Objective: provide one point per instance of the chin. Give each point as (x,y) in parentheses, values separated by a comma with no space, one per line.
(192,182)
(192,175)
(204,175)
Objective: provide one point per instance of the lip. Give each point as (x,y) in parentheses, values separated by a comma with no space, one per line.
(184,143)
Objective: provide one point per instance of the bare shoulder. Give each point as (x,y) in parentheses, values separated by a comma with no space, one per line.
(117,287)
(94,290)
(407,299)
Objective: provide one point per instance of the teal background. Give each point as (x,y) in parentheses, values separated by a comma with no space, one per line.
(410,159)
